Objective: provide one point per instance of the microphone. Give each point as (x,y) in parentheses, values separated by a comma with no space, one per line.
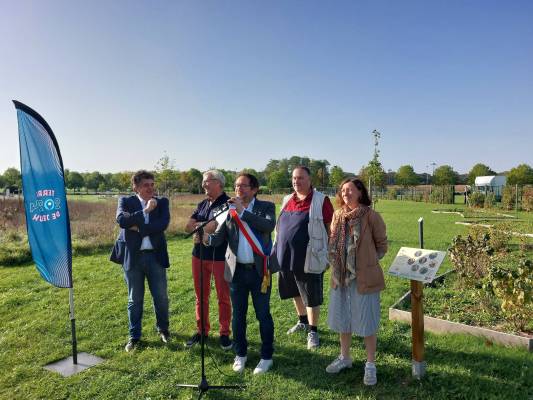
(220,209)
(231,204)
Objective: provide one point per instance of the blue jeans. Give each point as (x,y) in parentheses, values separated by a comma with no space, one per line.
(248,281)
(147,267)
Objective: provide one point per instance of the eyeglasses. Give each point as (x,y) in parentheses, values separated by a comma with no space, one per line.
(242,185)
(209,180)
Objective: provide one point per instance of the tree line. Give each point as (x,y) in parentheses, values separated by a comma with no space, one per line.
(277,175)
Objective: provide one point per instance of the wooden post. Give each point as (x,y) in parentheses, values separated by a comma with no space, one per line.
(516,197)
(417,317)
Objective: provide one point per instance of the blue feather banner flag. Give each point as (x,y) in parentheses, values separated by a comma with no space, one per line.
(45,202)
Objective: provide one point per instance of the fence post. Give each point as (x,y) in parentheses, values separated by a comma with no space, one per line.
(516,197)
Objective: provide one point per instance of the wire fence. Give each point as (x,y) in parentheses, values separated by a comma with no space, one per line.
(512,197)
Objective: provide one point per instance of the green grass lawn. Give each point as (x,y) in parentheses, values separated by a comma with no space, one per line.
(35,331)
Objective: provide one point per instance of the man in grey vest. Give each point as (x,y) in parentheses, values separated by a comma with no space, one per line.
(301,251)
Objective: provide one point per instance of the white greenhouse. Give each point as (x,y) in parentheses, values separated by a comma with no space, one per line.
(490,184)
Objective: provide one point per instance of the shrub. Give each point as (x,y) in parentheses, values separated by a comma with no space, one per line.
(471,257)
(14,247)
(477,199)
(508,198)
(500,236)
(527,198)
(442,194)
(514,289)
(392,193)
(490,200)
(414,195)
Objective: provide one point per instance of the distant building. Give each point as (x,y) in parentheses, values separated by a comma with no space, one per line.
(11,191)
(491,184)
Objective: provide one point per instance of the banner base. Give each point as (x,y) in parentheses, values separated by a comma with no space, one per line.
(66,367)
(418,369)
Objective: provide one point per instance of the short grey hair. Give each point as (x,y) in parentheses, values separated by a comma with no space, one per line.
(216,174)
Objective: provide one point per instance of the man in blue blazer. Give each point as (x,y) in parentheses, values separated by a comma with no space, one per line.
(141,248)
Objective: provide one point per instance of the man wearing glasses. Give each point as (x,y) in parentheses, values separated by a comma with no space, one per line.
(213,261)
(247,229)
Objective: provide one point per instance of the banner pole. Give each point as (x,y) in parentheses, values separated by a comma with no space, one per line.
(73,326)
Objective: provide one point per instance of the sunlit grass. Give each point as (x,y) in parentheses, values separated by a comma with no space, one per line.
(35,330)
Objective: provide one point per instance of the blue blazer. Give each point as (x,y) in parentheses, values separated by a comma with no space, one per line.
(126,250)
(262,218)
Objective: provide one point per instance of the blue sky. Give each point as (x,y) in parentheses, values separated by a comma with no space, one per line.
(233,84)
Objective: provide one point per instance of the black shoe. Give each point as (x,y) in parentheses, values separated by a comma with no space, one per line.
(131,345)
(194,339)
(225,342)
(165,336)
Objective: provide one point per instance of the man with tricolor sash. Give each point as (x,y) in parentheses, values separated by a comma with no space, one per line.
(247,227)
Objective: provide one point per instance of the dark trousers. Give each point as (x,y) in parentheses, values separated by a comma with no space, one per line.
(247,281)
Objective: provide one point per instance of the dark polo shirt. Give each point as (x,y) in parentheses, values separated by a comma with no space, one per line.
(204,212)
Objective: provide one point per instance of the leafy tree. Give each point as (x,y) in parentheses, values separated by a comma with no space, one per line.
(461,179)
(444,175)
(108,182)
(121,181)
(74,180)
(277,173)
(194,180)
(295,161)
(319,172)
(279,179)
(93,180)
(373,172)
(479,170)
(336,176)
(250,171)
(272,166)
(230,177)
(258,174)
(166,174)
(520,175)
(406,176)
(12,177)
(2,181)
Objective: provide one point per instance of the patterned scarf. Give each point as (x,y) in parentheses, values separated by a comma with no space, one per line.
(343,272)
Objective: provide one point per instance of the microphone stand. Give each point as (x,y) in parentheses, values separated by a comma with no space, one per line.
(204,386)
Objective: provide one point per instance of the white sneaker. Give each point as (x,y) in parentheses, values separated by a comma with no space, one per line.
(263,366)
(312,340)
(339,364)
(370,374)
(239,363)
(299,327)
